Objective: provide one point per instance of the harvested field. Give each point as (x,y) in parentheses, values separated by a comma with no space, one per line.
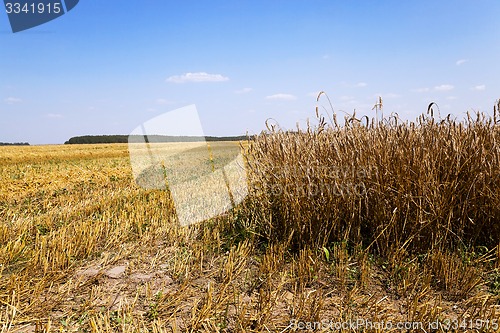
(343,228)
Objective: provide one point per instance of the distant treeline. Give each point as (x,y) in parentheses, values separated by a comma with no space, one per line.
(92,139)
(14,144)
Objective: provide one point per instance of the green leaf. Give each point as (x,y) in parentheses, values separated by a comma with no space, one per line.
(327,253)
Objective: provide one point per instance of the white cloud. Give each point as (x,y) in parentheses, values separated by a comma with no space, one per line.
(243,91)
(12,100)
(54,115)
(162,101)
(480,87)
(421,90)
(326,57)
(451,98)
(197,77)
(283,97)
(444,87)
(354,85)
(461,62)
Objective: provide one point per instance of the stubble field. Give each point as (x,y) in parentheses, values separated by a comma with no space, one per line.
(386,223)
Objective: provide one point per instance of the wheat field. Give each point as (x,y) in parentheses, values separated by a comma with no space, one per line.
(383,221)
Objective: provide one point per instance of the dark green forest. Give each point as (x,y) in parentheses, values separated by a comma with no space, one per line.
(14,144)
(93,139)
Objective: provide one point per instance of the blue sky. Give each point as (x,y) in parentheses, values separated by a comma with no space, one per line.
(108,66)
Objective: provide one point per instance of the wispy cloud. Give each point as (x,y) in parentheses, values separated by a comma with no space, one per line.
(197,77)
(480,87)
(451,98)
(12,100)
(243,91)
(54,115)
(283,97)
(162,101)
(420,90)
(326,57)
(461,62)
(444,87)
